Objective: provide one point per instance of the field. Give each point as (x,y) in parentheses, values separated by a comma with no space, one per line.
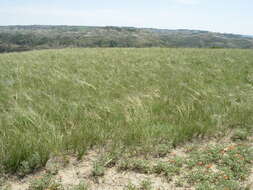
(184,115)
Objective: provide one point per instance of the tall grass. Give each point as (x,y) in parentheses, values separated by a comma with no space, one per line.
(70,100)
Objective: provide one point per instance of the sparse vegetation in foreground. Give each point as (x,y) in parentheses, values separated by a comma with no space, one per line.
(131,101)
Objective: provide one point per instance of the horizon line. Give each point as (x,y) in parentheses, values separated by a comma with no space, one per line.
(137,27)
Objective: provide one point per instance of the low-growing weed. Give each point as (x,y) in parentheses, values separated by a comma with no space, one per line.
(45,182)
(98,169)
(80,186)
(137,165)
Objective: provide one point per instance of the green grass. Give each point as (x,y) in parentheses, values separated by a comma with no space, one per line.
(44,182)
(60,101)
(213,167)
(144,185)
(137,165)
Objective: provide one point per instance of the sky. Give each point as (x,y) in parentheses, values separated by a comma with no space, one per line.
(226,16)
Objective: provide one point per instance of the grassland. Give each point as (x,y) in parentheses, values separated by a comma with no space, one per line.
(55,102)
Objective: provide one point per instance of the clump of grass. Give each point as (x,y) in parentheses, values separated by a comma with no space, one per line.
(162,150)
(137,165)
(144,185)
(98,169)
(109,159)
(130,186)
(168,169)
(230,184)
(80,186)
(240,134)
(27,166)
(45,182)
(58,101)
(106,160)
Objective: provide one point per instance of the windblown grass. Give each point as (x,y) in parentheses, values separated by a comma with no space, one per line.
(70,100)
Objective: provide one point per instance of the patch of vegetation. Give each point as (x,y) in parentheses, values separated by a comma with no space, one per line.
(27,166)
(144,185)
(169,169)
(213,167)
(162,150)
(221,166)
(71,100)
(131,187)
(98,169)
(109,159)
(226,184)
(240,134)
(45,182)
(137,165)
(81,186)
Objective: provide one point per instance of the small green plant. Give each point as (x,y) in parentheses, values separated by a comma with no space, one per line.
(240,134)
(98,169)
(80,186)
(170,168)
(223,185)
(45,182)
(55,163)
(205,186)
(27,166)
(179,182)
(146,185)
(141,166)
(162,150)
(131,186)
(199,175)
(229,184)
(109,159)
(137,165)
(160,167)
(124,165)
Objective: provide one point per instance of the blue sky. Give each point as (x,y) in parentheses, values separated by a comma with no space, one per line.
(230,16)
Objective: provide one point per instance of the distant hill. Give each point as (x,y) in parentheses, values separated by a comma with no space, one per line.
(21,38)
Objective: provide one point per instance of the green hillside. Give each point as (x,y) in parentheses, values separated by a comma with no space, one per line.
(21,38)
(73,100)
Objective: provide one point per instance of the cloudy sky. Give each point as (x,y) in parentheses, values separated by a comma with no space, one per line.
(230,16)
